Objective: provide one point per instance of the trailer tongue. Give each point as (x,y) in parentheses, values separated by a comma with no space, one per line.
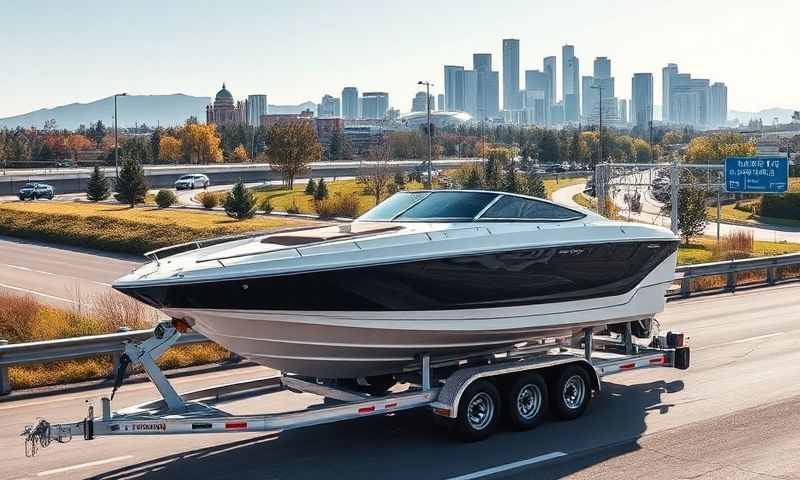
(465,393)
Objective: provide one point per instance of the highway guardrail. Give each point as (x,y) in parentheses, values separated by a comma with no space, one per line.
(114,343)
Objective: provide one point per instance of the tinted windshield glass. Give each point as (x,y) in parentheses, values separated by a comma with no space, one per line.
(510,207)
(185,177)
(457,206)
(392,206)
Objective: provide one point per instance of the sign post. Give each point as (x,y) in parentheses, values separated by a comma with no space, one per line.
(760,174)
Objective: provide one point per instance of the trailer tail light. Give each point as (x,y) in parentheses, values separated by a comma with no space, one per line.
(658,361)
(235,425)
(443,412)
(369,409)
(627,366)
(389,406)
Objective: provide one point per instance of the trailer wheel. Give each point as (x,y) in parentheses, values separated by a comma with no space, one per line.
(571,392)
(527,401)
(478,411)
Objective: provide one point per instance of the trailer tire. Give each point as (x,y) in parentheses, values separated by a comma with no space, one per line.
(526,401)
(478,411)
(570,392)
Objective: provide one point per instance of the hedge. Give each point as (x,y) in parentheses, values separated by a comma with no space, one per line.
(781,206)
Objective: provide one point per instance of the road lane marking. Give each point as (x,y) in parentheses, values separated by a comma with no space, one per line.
(42,272)
(83,465)
(34,292)
(509,466)
(742,340)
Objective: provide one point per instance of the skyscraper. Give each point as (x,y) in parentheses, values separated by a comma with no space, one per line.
(687,99)
(488,86)
(420,104)
(590,97)
(375,105)
(537,87)
(454,88)
(641,99)
(511,97)
(350,103)
(330,106)
(602,67)
(719,104)
(623,111)
(256,107)
(570,83)
(440,102)
(550,69)
(666,81)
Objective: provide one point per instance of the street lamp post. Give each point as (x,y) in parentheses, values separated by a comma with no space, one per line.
(430,133)
(116,144)
(602,150)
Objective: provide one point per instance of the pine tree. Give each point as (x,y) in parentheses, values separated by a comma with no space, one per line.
(322,190)
(131,186)
(98,188)
(491,175)
(535,185)
(510,181)
(311,187)
(240,203)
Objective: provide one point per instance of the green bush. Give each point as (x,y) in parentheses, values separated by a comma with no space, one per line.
(322,190)
(293,208)
(781,206)
(311,187)
(208,200)
(165,198)
(240,202)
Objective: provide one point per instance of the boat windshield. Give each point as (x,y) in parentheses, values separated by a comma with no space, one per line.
(393,206)
(448,206)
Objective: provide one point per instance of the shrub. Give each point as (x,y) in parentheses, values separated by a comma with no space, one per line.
(208,199)
(240,203)
(311,187)
(338,206)
(98,187)
(165,198)
(265,206)
(392,188)
(400,180)
(749,206)
(734,245)
(322,190)
(781,206)
(293,208)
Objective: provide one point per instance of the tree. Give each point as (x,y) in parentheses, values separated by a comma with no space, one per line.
(240,154)
(692,216)
(549,148)
(135,148)
(321,192)
(292,146)
(97,189)
(311,187)
(379,171)
(400,180)
(715,148)
(131,185)
(201,143)
(240,202)
(491,173)
(340,147)
(169,149)
(535,185)
(155,144)
(76,143)
(473,180)
(510,181)
(671,138)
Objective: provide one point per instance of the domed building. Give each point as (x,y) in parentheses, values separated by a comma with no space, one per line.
(225,111)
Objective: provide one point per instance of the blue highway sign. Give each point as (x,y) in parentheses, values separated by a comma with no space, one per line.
(756,174)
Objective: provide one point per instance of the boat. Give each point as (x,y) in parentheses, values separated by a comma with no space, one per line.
(443,273)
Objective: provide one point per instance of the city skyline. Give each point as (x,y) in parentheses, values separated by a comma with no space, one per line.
(38,46)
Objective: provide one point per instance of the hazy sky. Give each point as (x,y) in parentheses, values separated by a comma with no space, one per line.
(55,52)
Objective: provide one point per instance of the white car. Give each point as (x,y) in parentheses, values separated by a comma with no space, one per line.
(195,180)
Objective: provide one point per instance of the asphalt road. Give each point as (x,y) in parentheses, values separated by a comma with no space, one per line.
(733,414)
(59,275)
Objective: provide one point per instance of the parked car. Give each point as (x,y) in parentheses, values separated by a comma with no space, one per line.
(65,163)
(192,181)
(32,191)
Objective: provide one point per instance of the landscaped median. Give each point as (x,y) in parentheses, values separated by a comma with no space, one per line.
(120,228)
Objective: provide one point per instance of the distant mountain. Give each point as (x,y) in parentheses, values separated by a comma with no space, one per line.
(784,115)
(164,110)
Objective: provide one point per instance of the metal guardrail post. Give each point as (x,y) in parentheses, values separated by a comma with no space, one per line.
(772,275)
(5,380)
(731,283)
(686,284)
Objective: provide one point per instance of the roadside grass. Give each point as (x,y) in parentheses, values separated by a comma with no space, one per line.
(794,184)
(24,319)
(553,184)
(283,199)
(702,249)
(120,228)
(730,214)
